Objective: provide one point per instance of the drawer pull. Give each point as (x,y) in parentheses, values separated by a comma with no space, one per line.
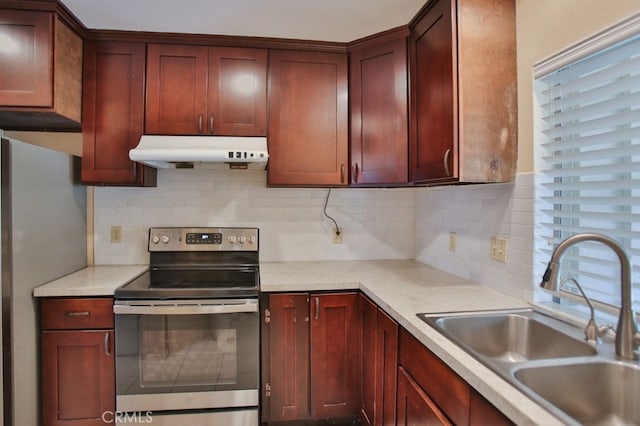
(72,314)
(107,346)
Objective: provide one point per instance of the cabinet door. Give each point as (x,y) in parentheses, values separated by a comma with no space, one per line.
(369,336)
(26,74)
(335,355)
(308,119)
(113,110)
(176,89)
(434,122)
(78,377)
(482,412)
(448,390)
(379,133)
(415,408)
(386,369)
(288,353)
(237,91)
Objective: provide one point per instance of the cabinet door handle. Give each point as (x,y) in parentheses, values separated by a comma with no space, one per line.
(342,173)
(107,346)
(72,314)
(446,162)
(355,172)
(199,123)
(211,124)
(317,308)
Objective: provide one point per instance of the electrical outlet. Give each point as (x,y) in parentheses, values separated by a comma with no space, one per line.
(453,241)
(499,249)
(116,234)
(337,236)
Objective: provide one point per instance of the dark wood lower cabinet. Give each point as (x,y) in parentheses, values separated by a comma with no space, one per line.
(78,382)
(415,408)
(77,361)
(287,396)
(313,356)
(335,348)
(329,356)
(379,365)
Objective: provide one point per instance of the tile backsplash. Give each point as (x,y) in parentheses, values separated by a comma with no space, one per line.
(377,223)
(401,223)
(476,213)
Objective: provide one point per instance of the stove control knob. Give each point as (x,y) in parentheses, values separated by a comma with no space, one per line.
(164,239)
(242,239)
(155,239)
(232,239)
(252,239)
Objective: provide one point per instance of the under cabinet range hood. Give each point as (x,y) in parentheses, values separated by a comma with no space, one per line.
(202,152)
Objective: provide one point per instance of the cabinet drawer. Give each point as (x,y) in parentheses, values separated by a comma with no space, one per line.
(442,384)
(76,313)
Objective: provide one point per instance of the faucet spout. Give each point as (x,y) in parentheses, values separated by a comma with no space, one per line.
(627,330)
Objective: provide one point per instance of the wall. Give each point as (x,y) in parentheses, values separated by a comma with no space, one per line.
(378,223)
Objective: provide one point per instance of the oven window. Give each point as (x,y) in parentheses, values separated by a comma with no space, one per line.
(186,353)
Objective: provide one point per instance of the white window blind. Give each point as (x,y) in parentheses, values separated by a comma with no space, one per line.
(589,161)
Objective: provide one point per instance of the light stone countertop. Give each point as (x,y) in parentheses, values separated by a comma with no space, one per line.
(91,281)
(402,288)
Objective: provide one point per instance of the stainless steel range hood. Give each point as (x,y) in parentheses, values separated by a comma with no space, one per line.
(209,152)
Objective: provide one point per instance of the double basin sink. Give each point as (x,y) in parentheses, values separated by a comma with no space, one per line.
(548,360)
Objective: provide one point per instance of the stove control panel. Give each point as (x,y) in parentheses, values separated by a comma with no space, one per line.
(203,239)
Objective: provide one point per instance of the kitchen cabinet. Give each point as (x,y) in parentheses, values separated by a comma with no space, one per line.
(308,119)
(429,389)
(200,90)
(286,352)
(482,412)
(463,92)
(414,405)
(113,105)
(379,365)
(41,73)
(78,370)
(378,109)
(448,392)
(313,356)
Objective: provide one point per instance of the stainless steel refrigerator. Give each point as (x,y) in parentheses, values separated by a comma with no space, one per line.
(43,238)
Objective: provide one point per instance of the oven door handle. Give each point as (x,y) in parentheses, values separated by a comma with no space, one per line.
(186,309)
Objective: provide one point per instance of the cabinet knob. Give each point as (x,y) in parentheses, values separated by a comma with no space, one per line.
(211,124)
(199,123)
(355,172)
(342,173)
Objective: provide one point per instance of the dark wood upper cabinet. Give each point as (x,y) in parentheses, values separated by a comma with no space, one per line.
(113,105)
(200,90)
(41,72)
(378,101)
(308,119)
(463,92)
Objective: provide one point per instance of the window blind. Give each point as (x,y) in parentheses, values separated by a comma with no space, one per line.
(589,164)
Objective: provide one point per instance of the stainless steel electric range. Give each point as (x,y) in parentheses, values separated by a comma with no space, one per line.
(187,339)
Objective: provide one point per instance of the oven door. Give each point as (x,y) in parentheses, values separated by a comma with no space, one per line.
(186,354)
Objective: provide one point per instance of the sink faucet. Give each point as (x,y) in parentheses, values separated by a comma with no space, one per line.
(627,331)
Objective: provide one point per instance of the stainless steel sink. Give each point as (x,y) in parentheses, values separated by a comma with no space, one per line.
(511,337)
(599,393)
(548,360)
